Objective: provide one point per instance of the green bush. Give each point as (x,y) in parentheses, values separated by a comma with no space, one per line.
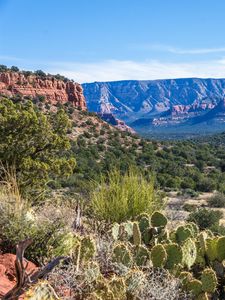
(205,218)
(36,145)
(218,200)
(123,197)
(18,222)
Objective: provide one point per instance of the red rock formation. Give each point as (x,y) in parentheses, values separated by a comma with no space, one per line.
(8,272)
(55,91)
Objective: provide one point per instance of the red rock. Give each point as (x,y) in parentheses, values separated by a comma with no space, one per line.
(8,272)
(55,91)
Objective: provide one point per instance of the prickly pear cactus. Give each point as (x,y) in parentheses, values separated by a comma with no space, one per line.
(158,256)
(189,253)
(185,278)
(148,235)
(91,272)
(211,248)
(141,255)
(68,243)
(134,281)
(202,240)
(115,231)
(221,248)
(174,255)
(103,291)
(87,249)
(41,291)
(118,287)
(182,234)
(158,219)
(195,287)
(136,234)
(202,296)
(194,228)
(126,231)
(144,222)
(209,281)
(122,255)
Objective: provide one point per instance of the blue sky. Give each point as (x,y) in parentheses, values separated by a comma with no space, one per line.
(104,40)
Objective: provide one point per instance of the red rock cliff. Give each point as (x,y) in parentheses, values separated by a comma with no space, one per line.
(55,91)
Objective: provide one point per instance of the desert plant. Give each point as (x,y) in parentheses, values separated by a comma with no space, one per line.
(123,197)
(205,218)
(218,200)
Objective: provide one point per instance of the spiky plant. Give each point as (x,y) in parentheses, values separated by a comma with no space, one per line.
(158,256)
(189,253)
(209,281)
(158,219)
(136,234)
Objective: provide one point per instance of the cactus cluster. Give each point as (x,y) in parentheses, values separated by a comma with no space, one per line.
(196,257)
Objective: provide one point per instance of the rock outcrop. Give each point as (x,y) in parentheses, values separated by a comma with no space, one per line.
(8,272)
(54,90)
(121,125)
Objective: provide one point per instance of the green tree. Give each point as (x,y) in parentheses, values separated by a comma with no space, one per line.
(36,145)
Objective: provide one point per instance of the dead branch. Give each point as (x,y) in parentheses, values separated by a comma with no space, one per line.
(25,280)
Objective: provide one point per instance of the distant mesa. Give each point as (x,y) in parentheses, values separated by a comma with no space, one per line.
(151,105)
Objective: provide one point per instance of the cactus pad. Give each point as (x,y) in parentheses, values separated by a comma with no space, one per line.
(141,255)
(122,255)
(209,281)
(158,256)
(189,253)
(174,255)
(136,234)
(158,219)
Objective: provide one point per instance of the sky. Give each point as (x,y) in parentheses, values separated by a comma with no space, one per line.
(107,40)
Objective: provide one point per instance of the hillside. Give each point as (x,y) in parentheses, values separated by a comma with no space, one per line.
(99,146)
(160,105)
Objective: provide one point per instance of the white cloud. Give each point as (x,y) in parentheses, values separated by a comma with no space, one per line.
(112,70)
(175,50)
(196,51)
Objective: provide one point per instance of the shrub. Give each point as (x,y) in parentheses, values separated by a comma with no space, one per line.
(35,144)
(205,218)
(18,222)
(189,207)
(123,197)
(218,200)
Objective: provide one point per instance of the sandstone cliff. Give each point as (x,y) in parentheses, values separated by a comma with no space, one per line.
(55,91)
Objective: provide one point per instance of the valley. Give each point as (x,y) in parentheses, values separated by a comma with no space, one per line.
(162,107)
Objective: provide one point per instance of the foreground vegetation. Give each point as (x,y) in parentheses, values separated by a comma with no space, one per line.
(105,216)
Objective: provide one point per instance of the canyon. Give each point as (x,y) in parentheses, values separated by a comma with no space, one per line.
(188,104)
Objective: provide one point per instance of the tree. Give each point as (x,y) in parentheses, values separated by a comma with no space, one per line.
(15,69)
(40,73)
(36,145)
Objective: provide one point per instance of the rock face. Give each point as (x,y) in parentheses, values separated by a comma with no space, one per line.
(121,125)
(8,272)
(158,103)
(55,91)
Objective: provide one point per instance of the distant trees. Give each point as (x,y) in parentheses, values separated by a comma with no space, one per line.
(40,73)
(15,69)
